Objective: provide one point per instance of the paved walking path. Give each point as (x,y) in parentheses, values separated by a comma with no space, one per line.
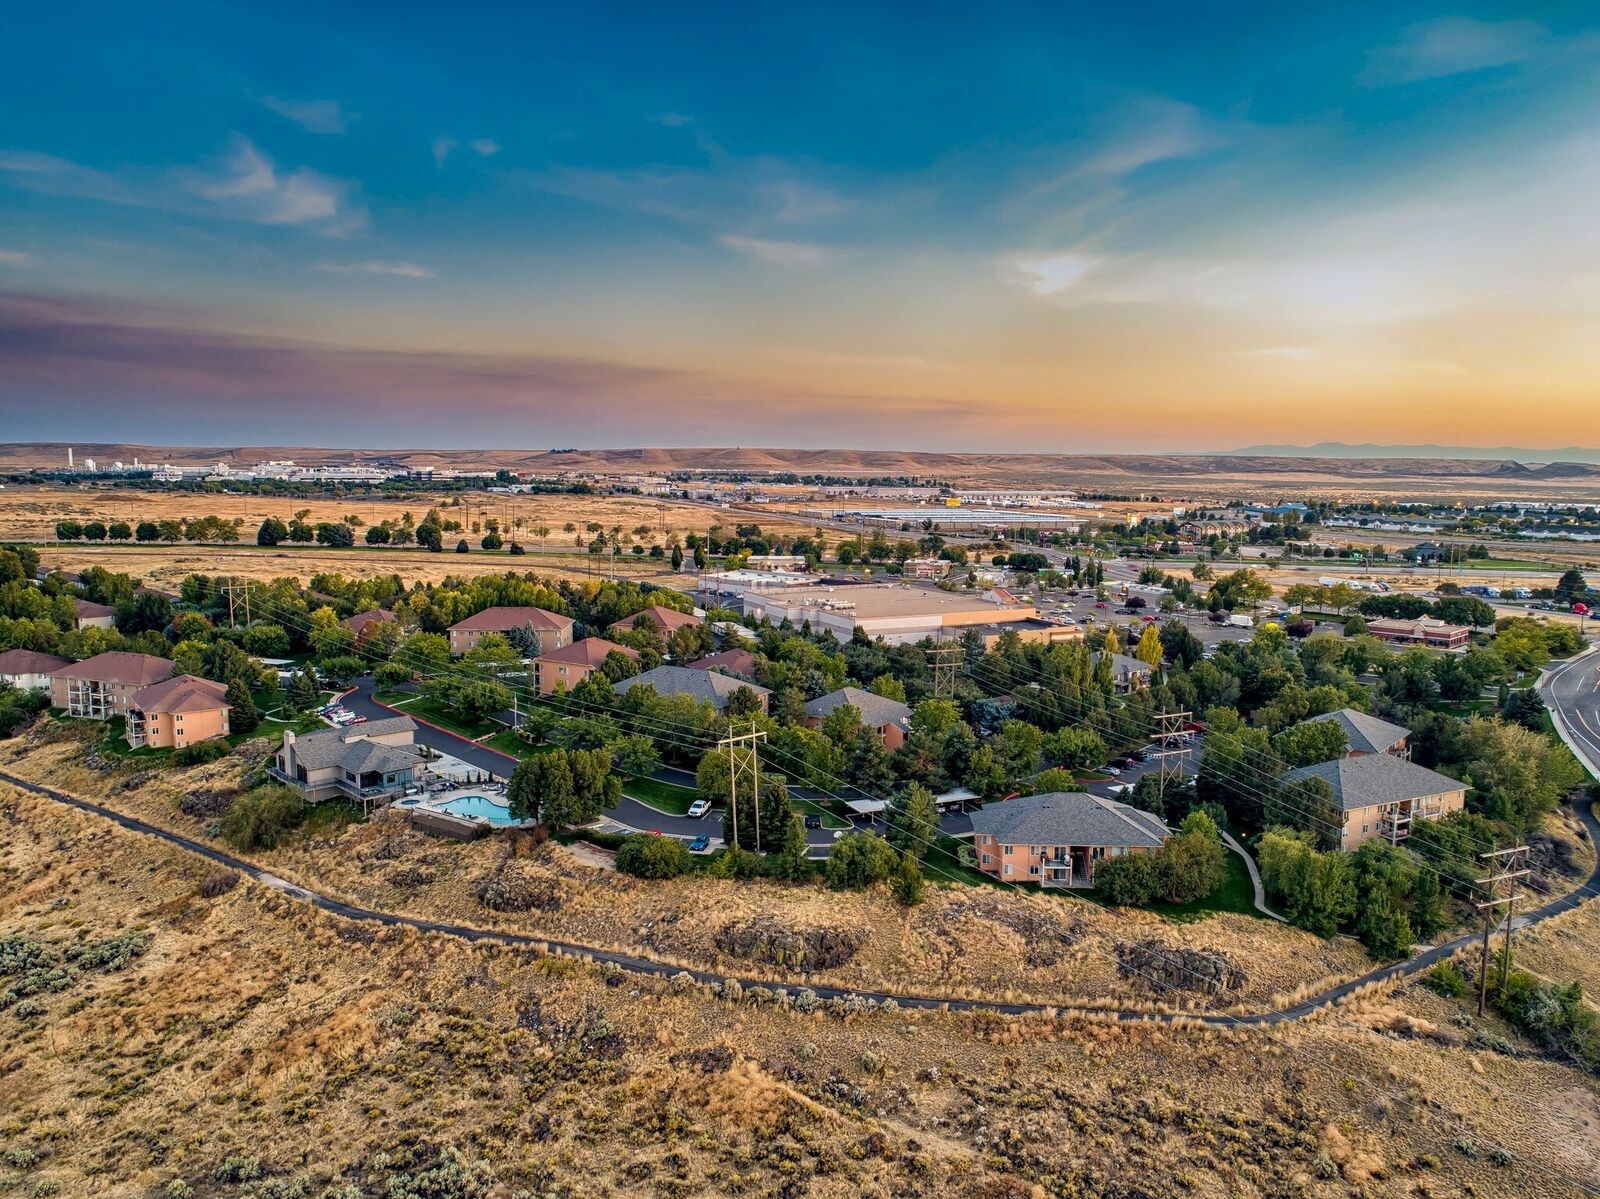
(644,965)
(1255,875)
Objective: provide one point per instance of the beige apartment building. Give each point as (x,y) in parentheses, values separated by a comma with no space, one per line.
(178,712)
(102,687)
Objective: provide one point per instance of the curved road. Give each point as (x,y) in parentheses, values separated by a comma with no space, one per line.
(1572,693)
(644,965)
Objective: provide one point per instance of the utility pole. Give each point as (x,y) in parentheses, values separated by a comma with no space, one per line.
(943,659)
(1510,861)
(238,596)
(744,761)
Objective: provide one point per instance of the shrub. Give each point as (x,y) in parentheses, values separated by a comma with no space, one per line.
(1130,880)
(262,818)
(1446,979)
(859,860)
(200,752)
(219,882)
(646,856)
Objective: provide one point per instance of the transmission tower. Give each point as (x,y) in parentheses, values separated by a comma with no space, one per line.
(238,597)
(1169,735)
(943,660)
(744,763)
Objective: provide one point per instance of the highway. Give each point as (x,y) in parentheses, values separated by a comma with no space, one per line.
(1571,691)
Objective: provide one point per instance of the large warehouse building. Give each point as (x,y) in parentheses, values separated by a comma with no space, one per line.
(896,612)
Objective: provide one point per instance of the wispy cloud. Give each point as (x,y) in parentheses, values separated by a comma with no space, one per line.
(1279,354)
(486,147)
(242,184)
(14,257)
(442,146)
(1054,274)
(673,120)
(780,253)
(1453,46)
(375,266)
(314,116)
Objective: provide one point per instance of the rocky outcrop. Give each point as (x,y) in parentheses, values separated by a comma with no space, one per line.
(1163,968)
(795,948)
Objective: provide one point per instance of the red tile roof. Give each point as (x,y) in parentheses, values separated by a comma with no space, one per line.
(739,661)
(502,620)
(591,651)
(668,619)
(31,661)
(362,619)
(88,610)
(115,666)
(186,693)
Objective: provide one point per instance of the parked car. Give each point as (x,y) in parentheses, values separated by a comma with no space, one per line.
(1122,763)
(699,808)
(1113,771)
(813,821)
(358,719)
(700,844)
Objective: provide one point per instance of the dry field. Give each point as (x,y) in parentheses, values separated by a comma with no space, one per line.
(166,566)
(251,1046)
(30,513)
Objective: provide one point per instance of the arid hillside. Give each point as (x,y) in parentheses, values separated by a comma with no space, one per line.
(171,1029)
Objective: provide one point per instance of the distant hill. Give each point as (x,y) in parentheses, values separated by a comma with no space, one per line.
(1339,449)
(1294,469)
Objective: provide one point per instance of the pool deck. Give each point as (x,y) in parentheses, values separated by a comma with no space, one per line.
(435,804)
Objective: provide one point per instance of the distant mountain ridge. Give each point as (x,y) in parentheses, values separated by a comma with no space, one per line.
(1340,449)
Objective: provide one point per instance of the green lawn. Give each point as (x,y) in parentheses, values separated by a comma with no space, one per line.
(1506,564)
(668,797)
(942,864)
(508,742)
(1234,895)
(392,697)
(423,708)
(808,807)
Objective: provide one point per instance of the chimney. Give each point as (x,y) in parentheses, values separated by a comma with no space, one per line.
(69,457)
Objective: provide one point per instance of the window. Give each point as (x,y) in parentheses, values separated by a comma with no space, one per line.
(1008,869)
(1008,850)
(1033,870)
(987,859)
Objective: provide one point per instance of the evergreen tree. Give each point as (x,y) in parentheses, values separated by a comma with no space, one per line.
(677,557)
(913,820)
(303,694)
(906,881)
(789,860)
(243,717)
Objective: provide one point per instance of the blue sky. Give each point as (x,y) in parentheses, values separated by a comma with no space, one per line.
(942,227)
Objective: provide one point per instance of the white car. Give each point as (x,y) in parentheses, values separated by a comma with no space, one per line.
(699,808)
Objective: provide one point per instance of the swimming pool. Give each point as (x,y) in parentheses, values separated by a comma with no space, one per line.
(481,806)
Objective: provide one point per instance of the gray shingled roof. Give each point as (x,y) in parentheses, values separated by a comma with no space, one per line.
(349,749)
(1364,733)
(1377,779)
(1069,818)
(876,710)
(1124,665)
(705,685)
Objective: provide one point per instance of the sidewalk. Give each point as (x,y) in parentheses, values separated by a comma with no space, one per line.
(1255,875)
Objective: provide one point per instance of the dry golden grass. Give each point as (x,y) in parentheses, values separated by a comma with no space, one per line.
(258,1028)
(31,512)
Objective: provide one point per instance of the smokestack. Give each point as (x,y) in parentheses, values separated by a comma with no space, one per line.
(69,457)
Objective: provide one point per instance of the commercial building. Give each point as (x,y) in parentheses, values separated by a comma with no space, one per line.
(705,685)
(553,630)
(30,670)
(178,712)
(1425,630)
(370,763)
(724,585)
(565,668)
(1382,795)
(888,718)
(899,613)
(101,687)
(1056,839)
